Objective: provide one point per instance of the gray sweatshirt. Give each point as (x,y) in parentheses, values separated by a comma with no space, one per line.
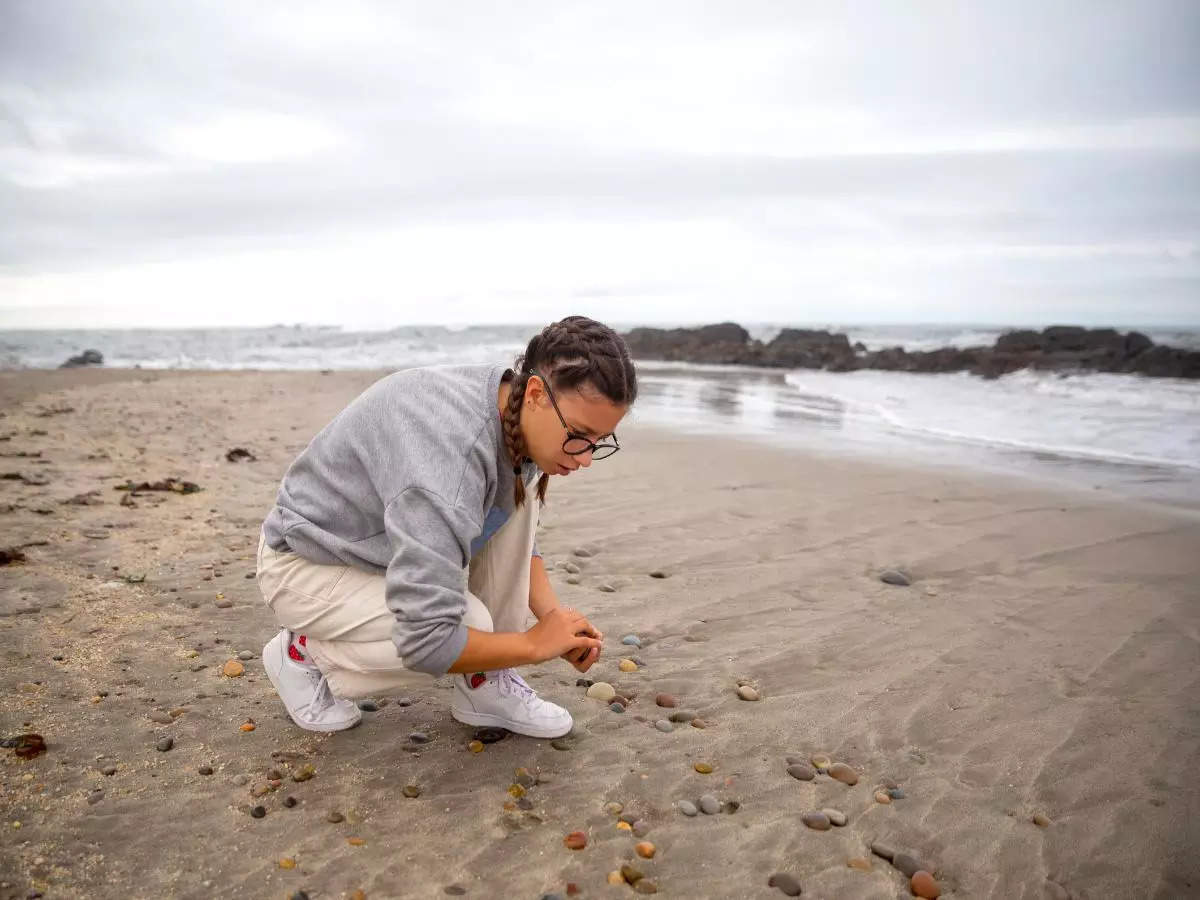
(401,483)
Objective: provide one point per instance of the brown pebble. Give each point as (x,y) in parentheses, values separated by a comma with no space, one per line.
(645,887)
(358,895)
(699,723)
(247,726)
(666,700)
(287,863)
(703,768)
(232,669)
(747,693)
(801,772)
(883,797)
(576,840)
(1041,820)
(859,862)
(843,773)
(412,791)
(645,850)
(630,874)
(475,746)
(334,817)
(304,773)
(615,877)
(923,885)
(355,841)
(816,821)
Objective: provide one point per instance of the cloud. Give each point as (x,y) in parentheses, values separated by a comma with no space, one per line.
(860,158)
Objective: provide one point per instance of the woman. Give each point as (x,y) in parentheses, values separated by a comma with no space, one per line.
(402,537)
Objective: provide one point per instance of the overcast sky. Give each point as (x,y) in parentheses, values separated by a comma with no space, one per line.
(381,163)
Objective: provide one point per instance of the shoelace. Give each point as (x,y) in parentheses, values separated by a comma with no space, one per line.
(510,684)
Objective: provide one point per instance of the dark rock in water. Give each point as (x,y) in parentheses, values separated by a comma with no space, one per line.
(490,735)
(896,577)
(786,883)
(86,358)
(237,454)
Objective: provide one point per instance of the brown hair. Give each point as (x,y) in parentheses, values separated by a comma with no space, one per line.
(573,353)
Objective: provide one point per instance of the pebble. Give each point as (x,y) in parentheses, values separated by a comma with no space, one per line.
(606,588)
(232,669)
(258,812)
(614,877)
(658,573)
(786,883)
(304,773)
(843,773)
(624,826)
(699,723)
(475,746)
(454,890)
(859,862)
(816,821)
(703,768)
(896,577)
(710,805)
(160,717)
(664,726)
(334,817)
(573,579)
(571,568)
(617,707)
(602,690)
(112,770)
(627,665)
(524,803)
(95,796)
(747,693)
(884,851)
(524,777)
(835,816)
(584,682)
(682,715)
(801,772)
(178,711)
(368,706)
(668,701)
(490,735)
(419,737)
(245,655)
(240,780)
(289,802)
(883,797)
(820,761)
(632,640)
(923,885)
(896,793)
(287,863)
(560,744)
(582,552)
(641,828)
(644,849)
(164,744)
(576,840)
(907,863)
(1041,820)
(260,790)
(412,791)
(613,808)
(246,726)
(645,887)
(223,603)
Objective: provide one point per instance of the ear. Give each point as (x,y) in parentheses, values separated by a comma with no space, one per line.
(534,391)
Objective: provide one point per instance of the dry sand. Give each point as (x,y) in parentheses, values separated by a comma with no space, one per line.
(1044,661)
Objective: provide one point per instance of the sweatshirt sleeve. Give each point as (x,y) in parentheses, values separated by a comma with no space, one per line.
(426,578)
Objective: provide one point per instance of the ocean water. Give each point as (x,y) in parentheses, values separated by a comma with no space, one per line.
(1140,436)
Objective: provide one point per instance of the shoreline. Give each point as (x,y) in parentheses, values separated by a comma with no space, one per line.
(1035,667)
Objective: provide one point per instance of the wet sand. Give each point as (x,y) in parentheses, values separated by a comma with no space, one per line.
(1042,662)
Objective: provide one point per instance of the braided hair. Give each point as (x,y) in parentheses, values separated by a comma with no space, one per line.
(571,353)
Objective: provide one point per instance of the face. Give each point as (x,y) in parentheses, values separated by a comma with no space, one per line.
(586,412)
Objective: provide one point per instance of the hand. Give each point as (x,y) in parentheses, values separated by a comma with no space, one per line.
(565,632)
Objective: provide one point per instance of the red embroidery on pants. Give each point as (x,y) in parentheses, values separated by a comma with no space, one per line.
(477,679)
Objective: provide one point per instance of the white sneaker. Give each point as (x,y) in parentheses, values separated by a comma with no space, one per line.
(305,692)
(503,700)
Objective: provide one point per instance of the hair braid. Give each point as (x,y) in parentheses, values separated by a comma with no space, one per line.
(571,353)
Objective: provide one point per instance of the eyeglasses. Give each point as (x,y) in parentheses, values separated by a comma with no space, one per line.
(577,444)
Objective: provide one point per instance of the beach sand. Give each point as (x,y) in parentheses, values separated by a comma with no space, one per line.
(1044,661)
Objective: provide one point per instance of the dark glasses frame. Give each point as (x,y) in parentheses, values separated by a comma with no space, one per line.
(599,450)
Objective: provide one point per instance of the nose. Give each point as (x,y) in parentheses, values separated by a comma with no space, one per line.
(585,459)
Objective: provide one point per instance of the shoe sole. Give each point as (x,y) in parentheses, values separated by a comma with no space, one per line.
(269,660)
(480,719)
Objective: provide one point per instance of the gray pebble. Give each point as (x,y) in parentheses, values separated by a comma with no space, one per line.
(896,793)
(896,577)
(109,770)
(710,805)
(223,603)
(886,851)
(632,640)
(835,816)
(816,821)
(908,864)
(617,707)
(786,883)
(606,588)
(573,579)
(682,715)
(160,717)
(95,796)
(164,744)
(419,737)
(641,828)
(664,726)
(801,772)
(571,569)
(404,701)
(241,779)
(581,552)
(687,807)
(368,706)
(244,655)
